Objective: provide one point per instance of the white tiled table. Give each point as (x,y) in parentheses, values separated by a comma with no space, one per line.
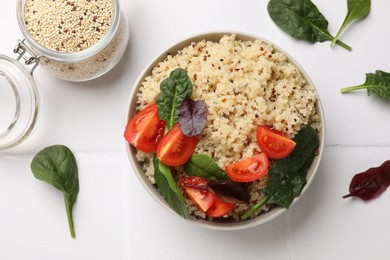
(114,216)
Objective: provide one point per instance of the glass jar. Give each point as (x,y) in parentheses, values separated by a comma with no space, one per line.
(89,63)
(20,101)
(19,104)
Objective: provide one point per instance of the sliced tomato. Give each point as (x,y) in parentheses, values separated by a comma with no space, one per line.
(145,130)
(248,170)
(274,143)
(197,190)
(175,148)
(219,208)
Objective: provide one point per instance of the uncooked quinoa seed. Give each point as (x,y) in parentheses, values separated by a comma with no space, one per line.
(68,26)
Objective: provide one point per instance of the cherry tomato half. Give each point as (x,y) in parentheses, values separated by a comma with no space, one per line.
(274,143)
(145,130)
(175,148)
(248,170)
(197,190)
(219,208)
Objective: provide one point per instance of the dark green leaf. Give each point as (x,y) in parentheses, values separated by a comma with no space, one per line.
(203,166)
(377,83)
(357,9)
(57,166)
(168,188)
(288,175)
(302,20)
(174,90)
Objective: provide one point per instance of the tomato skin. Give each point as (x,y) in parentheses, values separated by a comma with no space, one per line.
(175,148)
(274,143)
(219,208)
(197,190)
(145,130)
(248,170)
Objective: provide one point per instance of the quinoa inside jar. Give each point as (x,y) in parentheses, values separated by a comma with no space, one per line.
(74,40)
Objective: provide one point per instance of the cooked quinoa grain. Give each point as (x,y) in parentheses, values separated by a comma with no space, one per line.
(68,26)
(244,84)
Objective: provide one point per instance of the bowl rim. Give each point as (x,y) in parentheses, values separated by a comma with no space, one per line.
(153,191)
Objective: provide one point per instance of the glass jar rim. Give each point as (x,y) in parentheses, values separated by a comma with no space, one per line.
(70,56)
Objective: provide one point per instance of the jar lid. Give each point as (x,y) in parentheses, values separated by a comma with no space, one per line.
(19,102)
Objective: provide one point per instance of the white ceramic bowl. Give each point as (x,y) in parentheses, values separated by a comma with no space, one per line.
(153,191)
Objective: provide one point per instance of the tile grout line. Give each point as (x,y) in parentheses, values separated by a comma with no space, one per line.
(92,152)
(123,151)
(356,146)
(289,232)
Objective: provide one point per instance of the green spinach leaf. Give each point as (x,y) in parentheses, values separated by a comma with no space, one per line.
(202,165)
(57,166)
(302,20)
(357,9)
(168,188)
(174,89)
(377,83)
(288,175)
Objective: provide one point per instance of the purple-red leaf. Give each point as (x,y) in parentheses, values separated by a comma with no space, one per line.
(192,117)
(371,183)
(230,191)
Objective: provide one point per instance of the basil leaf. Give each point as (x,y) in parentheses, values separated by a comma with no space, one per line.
(377,83)
(174,89)
(192,117)
(288,175)
(57,166)
(357,9)
(302,20)
(168,188)
(202,165)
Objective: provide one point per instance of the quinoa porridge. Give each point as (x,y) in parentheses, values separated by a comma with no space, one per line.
(244,84)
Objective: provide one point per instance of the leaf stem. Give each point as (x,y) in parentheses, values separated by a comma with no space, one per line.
(335,39)
(252,210)
(339,32)
(70,217)
(345,46)
(348,195)
(342,44)
(348,89)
